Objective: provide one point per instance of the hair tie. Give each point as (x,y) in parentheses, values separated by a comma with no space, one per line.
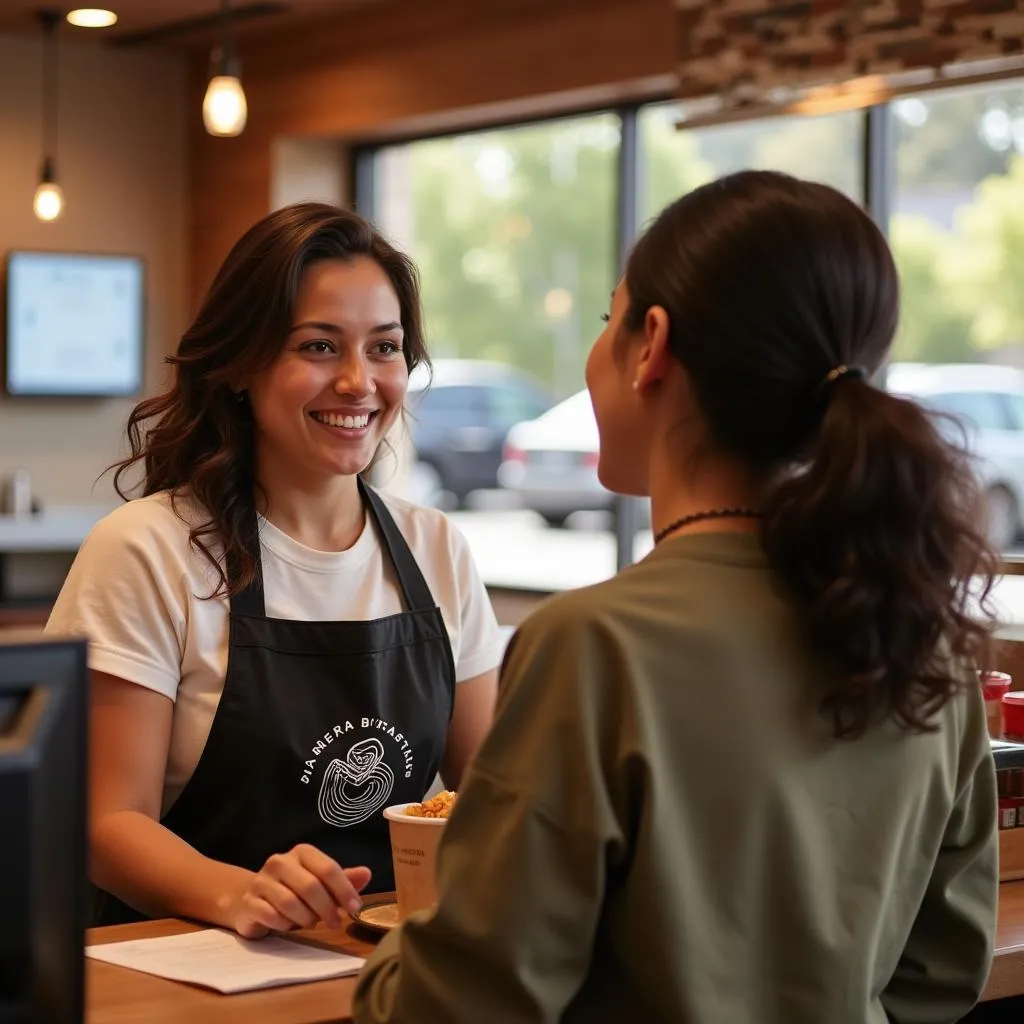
(840,373)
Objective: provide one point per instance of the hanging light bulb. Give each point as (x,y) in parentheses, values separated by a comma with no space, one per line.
(91,17)
(224,108)
(48,203)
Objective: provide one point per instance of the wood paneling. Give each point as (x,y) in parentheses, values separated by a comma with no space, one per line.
(407,67)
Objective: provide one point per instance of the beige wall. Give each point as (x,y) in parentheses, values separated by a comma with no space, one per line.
(304,169)
(122,165)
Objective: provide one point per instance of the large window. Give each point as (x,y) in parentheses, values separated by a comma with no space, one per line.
(675,160)
(958,224)
(515,233)
(957,232)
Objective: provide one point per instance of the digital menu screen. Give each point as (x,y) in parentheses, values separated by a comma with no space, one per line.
(75,324)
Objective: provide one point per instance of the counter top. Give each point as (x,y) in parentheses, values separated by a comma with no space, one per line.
(116,995)
(1007,976)
(59,528)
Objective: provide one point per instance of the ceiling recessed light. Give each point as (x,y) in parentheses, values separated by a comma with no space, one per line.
(91,17)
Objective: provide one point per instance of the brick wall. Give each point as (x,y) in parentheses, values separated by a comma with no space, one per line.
(746,47)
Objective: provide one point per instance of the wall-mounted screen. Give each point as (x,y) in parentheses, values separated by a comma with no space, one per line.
(74,324)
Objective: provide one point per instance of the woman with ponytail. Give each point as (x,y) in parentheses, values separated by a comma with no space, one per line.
(747,780)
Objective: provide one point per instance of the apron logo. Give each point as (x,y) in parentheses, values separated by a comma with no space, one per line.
(355,788)
(357,784)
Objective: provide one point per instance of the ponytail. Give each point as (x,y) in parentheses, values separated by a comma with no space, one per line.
(876,537)
(777,290)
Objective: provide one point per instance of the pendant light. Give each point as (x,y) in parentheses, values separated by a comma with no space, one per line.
(48,203)
(91,17)
(224,107)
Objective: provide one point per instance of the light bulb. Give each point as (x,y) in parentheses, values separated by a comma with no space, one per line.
(91,17)
(49,201)
(224,107)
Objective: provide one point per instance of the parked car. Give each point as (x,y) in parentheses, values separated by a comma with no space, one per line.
(459,418)
(989,403)
(550,463)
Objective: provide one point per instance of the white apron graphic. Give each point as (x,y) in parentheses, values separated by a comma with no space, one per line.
(356,787)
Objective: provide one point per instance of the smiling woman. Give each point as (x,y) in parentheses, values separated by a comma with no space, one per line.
(312,311)
(326,403)
(232,776)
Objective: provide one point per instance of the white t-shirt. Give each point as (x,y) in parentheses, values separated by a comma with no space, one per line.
(139,592)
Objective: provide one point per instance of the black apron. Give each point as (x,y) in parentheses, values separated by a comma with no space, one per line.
(321,726)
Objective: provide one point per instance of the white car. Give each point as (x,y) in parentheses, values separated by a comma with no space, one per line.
(989,402)
(551,462)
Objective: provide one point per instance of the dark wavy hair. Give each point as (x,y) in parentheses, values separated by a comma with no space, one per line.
(197,436)
(869,513)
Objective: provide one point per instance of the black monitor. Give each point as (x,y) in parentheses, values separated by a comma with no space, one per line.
(43,879)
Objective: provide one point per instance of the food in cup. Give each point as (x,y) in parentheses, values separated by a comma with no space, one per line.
(416,831)
(439,806)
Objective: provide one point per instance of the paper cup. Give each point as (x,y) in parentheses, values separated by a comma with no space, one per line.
(414,843)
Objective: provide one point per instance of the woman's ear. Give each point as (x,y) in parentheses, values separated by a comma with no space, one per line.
(653,362)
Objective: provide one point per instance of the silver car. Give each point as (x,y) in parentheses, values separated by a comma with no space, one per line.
(989,402)
(551,462)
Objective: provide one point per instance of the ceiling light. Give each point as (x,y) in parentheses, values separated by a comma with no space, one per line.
(224,107)
(48,202)
(91,17)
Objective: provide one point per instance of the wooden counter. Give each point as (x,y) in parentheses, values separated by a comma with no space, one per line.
(1007,977)
(116,995)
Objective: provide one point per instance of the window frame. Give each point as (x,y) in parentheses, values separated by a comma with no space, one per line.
(878,188)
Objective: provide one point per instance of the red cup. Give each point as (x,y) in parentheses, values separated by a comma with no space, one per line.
(995,685)
(1013,716)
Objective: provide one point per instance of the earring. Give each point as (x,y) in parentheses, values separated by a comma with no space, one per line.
(636,386)
(240,397)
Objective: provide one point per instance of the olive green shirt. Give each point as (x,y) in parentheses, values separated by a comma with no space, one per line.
(661,827)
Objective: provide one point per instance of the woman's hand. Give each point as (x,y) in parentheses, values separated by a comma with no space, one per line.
(297,889)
